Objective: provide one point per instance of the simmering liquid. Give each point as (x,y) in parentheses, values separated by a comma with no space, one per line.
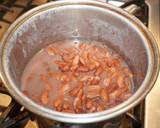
(77,77)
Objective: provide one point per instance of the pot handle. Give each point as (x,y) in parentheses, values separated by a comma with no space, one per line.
(132,9)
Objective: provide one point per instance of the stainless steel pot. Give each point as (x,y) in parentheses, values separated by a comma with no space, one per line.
(79,20)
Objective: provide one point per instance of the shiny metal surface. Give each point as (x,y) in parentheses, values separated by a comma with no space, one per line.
(152,106)
(77,19)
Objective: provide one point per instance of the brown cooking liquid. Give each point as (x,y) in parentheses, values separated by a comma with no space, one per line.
(77,77)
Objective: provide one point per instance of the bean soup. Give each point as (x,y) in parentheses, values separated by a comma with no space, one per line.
(77,77)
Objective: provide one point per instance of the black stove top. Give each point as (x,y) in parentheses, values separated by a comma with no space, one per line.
(15,116)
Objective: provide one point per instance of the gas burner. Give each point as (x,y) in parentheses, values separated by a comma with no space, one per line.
(14,115)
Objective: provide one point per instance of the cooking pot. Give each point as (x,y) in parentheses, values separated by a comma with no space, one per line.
(88,20)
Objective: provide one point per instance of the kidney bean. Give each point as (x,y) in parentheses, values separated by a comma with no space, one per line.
(85,56)
(85,78)
(84,98)
(111,88)
(63,77)
(109,63)
(66,105)
(94,80)
(92,94)
(114,74)
(120,81)
(93,88)
(59,108)
(73,78)
(116,62)
(52,51)
(115,94)
(77,103)
(92,66)
(80,93)
(66,51)
(68,57)
(100,108)
(127,82)
(107,81)
(75,90)
(99,71)
(58,101)
(64,88)
(83,46)
(104,95)
(75,60)
(92,109)
(89,104)
(73,50)
(45,97)
(73,67)
(83,69)
(62,65)
(93,91)
(82,61)
(68,111)
(125,89)
(94,62)
(128,72)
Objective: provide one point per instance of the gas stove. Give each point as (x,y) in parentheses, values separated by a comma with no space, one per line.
(144,115)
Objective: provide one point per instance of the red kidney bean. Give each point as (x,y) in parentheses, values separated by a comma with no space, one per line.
(83,69)
(75,60)
(52,51)
(75,90)
(68,111)
(58,101)
(64,88)
(62,65)
(100,108)
(82,61)
(104,95)
(111,88)
(94,80)
(99,71)
(120,82)
(89,103)
(107,81)
(45,98)
(83,46)
(77,103)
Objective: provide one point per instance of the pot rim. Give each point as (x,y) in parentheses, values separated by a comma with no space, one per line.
(147,84)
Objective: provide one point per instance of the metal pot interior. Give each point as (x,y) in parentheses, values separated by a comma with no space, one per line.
(43,27)
(72,22)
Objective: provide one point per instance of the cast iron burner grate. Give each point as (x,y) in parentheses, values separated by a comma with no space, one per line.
(15,116)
